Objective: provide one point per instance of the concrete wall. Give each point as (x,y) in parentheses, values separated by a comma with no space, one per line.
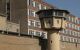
(8,26)
(2,23)
(13,27)
(18,43)
(69,46)
(18,10)
(2,7)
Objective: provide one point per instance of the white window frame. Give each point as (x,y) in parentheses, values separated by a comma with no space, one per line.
(28,12)
(39,6)
(27,2)
(29,23)
(33,2)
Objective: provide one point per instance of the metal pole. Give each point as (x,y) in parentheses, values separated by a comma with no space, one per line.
(6,18)
(19,29)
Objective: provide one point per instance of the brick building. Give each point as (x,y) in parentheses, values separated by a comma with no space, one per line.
(21,15)
(70,36)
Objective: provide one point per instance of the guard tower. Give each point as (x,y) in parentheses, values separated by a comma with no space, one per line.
(53,20)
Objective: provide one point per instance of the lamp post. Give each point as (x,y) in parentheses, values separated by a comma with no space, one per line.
(53,20)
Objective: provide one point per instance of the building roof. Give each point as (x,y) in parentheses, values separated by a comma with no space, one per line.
(52,10)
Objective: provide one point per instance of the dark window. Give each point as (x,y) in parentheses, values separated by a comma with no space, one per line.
(31,13)
(31,32)
(37,5)
(48,22)
(30,2)
(42,7)
(37,24)
(37,33)
(59,13)
(48,13)
(79,22)
(32,23)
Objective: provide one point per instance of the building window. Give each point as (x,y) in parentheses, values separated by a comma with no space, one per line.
(72,19)
(72,40)
(68,32)
(29,2)
(79,22)
(59,13)
(37,5)
(76,21)
(45,7)
(37,24)
(31,23)
(65,31)
(73,26)
(31,13)
(31,32)
(64,38)
(69,18)
(75,40)
(61,38)
(79,27)
(78,34)
(42,7)
(71,32)
(38,33)
(33,3)
(78,40)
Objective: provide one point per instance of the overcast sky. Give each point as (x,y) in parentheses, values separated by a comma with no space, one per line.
(72,5)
